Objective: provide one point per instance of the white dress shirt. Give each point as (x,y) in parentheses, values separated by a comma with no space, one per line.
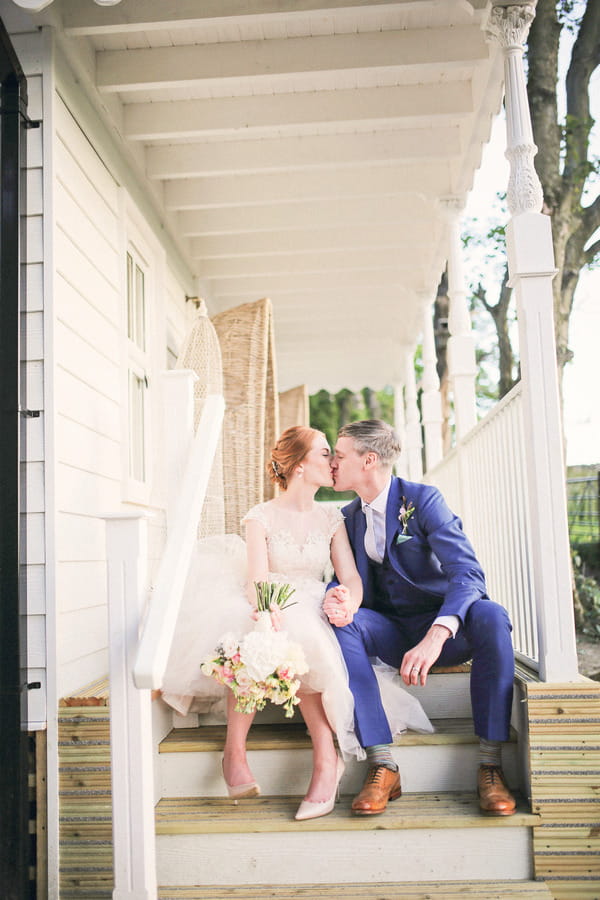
(375,541)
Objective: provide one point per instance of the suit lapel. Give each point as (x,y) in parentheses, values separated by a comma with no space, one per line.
(391,513)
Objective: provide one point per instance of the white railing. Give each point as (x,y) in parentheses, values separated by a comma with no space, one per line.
(484,480)
(159,627)
(137,664)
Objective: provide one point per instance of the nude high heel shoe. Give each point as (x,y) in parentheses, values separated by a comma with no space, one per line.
(309,809)
(241,791)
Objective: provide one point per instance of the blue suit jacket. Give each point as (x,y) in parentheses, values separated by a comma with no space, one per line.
(436,570)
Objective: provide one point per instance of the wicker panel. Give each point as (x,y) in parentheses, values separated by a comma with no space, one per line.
(293,407)
(251,415)
(202,354)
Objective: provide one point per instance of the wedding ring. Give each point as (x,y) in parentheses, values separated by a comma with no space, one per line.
(414,669)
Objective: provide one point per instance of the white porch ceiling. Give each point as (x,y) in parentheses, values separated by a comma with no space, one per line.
(301,151)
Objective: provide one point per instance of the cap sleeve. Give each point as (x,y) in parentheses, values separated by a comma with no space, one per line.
(334,519)
(258,513)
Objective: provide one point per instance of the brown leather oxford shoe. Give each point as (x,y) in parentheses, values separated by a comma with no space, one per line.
(495,799)
(381,785)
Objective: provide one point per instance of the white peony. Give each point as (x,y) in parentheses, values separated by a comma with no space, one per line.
(262,652)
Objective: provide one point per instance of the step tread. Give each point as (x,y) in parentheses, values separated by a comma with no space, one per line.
(411,890)
(203,815)
(294,736)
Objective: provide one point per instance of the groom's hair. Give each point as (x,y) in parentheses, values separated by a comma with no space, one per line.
(375,436)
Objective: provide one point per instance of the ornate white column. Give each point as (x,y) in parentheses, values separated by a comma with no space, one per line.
(401,466)
(462,366)
(531,267)
(431,401)
(414,440)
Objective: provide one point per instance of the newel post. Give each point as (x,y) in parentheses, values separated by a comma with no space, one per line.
(531,268)
(134,856)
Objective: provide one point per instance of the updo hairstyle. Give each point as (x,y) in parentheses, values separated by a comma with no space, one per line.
(288,452)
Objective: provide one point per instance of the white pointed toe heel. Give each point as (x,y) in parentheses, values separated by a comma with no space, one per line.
(310,809)
(241,791)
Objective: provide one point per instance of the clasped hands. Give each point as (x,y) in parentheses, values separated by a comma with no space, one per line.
(338,606)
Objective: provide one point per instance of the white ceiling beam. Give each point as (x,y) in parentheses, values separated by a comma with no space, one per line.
(428,179)
(416,277)
(389,209)
(409,236)
(301,153)
(81,18)
(225,116)
(183,66)
(300,263)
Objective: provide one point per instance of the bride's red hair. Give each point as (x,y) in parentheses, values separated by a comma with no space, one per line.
(288,452)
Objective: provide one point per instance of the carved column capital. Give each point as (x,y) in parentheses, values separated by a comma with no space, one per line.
(509,24)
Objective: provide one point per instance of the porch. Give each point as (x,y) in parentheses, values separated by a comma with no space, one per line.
(318,154)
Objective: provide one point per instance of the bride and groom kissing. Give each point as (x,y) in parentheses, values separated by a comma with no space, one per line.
(408,591)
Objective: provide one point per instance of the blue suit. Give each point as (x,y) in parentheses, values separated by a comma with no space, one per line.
(433,573)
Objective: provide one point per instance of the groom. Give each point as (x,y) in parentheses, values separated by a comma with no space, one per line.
(424,602)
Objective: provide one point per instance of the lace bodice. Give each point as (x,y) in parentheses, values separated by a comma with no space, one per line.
(298,544)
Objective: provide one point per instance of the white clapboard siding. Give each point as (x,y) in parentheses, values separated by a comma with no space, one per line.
(81,584)
(74,267)
(81,222)
(32,329)
(82,632)
(32,581)
(32,487)
(84,403)
(34,273)
(32,537)
(90,491)
(85,449)
(90,321)
(90,362)
(35,238)
(80,537)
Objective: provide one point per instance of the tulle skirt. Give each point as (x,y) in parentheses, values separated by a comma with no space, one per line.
(215,602)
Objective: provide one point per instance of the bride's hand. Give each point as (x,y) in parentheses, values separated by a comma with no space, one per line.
(338,606)
(276,616)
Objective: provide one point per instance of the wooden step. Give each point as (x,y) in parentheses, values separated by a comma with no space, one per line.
(190,759)
(210,841)
(414,890)
(210,815)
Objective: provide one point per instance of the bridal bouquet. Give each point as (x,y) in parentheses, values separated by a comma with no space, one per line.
(263,664)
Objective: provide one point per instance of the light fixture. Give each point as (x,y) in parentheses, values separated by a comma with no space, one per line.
(107,2)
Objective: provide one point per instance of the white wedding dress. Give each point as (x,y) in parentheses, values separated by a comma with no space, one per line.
(215,602)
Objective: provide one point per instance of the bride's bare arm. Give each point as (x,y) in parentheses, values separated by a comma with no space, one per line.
(256,553)
(342,602)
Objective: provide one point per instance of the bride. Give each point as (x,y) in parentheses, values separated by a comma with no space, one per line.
(290,539)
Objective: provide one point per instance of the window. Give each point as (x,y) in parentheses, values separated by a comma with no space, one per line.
(137,367)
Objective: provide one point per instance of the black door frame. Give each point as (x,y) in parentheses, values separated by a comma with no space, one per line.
(15,841)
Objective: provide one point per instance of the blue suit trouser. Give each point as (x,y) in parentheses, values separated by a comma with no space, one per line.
(484,638)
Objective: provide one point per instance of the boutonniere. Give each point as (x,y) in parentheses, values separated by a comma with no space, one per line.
(406,511)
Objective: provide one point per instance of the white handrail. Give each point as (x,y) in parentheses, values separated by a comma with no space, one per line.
(159,627)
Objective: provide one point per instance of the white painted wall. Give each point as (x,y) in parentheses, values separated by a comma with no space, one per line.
(95,220)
